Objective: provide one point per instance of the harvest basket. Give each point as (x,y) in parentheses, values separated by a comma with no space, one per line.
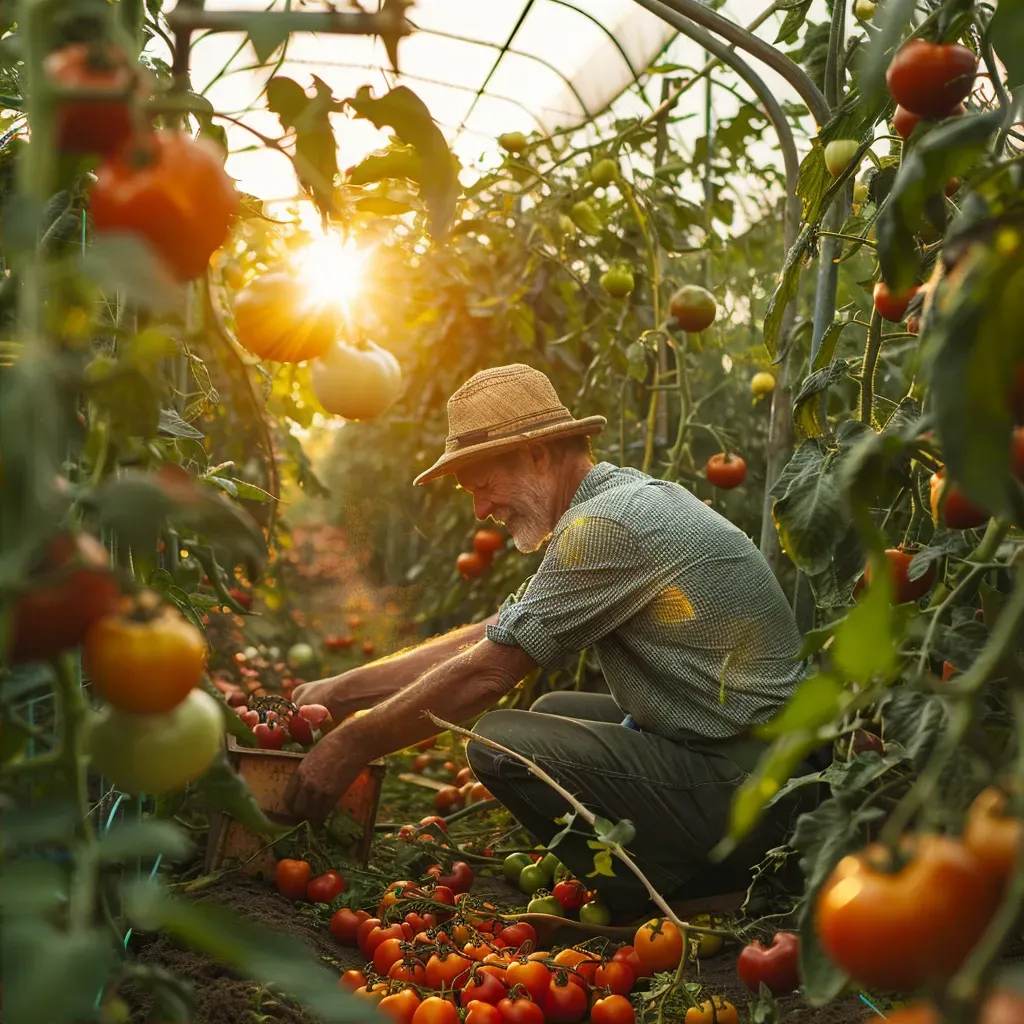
(268,773)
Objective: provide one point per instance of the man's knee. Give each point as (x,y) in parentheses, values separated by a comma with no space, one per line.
(496,726)
(548,703)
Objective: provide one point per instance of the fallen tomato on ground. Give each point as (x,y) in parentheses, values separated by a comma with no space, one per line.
(775,965)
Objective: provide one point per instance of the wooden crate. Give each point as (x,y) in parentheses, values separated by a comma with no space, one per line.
(268,773)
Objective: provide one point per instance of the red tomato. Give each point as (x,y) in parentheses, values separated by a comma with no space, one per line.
(334,642)
(388,953)
(300,730)
(420,922)
(434,819)
(464,775)
(325,887)
(448,969)
(659,945)
(520,1011)
(410,970)
(515,935)
(896,931)
(435,1010)
(565,1002)
(470,565)
(291,877)
(627,955)
(460,879)
(903,588)
(447,800)
(400,1006)
(569,892)
(613,1009)
(364,930)
(532,975)
(173,191)
(777,965)
(478,791)
(102,123)
(484,986)
(892,306)
(959,512)
(49,617)
(352,980)
(930,79)
(487,542)
(725,471)
(381,934)
(905,122)
(478,1012)
(345,924)
(270,736)
(315,714)
(236,699)
(616,976)
(251,718)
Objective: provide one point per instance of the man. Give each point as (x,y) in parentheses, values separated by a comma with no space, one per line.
(693,634)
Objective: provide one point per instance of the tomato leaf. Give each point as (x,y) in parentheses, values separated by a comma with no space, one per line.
(31,887)
(796,15)
(173,425)
(223,788)
(807,411)
(1006,31)
(621,832)
(52,975)
(126,840)
(818,700)
(602,860)
(404,111)
(947,151)
(258,952)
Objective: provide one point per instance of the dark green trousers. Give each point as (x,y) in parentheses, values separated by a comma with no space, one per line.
(677,794)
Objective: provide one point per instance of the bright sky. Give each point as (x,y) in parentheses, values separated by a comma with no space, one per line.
(527,89)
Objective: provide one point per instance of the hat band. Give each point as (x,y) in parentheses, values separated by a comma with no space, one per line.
(475,437)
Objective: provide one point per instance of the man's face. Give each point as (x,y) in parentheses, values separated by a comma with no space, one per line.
(516,492)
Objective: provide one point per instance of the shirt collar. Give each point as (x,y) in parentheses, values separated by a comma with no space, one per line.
(594,482)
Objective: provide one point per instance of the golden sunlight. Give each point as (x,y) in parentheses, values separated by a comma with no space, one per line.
(332,269)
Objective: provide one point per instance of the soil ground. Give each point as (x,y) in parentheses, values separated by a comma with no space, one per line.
(335,592)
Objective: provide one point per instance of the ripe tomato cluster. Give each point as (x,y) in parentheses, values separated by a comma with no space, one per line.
(486,543)
(294,879)
(898,920)
(285,727)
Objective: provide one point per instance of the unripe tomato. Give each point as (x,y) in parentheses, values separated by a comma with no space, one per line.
(292,877)
(512,142)
(142,662)
(613,1009)
(98,124)
(487,543)
(903,588)
(357,383)
(715,1010)
(777,965)
(694,308)
(762,383)
(74,588)
(604,172)
(585,217)
(659,945)
(897,931)
(905,122)
(345,923)
(277,318)
(545,905)
(512,866)
(725,471)
(865,9)
(156,753)
(300,655)
(595,912)
(617,282)
(470,565)
(532,878)
(173,191)
(991,834)
(930,79)
(838,154)
(959,512)
(892,307)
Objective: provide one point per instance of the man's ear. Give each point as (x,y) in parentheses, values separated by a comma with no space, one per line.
(540,456)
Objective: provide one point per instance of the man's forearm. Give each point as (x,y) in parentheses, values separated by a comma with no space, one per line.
(381,679)
(458,689)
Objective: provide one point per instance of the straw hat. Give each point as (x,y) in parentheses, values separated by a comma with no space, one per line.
(500,408)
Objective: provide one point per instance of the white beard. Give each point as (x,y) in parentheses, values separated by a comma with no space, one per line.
(527,522)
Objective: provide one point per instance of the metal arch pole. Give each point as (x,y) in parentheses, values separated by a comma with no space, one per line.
(695,11)
(780,423)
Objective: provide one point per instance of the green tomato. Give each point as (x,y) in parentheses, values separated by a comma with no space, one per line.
(595,912)
(550,864)
(512,142)
(513,866)
(532,878)
(617,282)
(545,905)
(865,9)
(300,655)
(156,753)
(838,155)
(585,217)
(604,172)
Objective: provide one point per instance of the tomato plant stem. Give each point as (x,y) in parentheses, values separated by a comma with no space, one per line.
(867,376)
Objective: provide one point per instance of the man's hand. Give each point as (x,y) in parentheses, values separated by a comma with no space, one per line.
(324,775)
(319,691)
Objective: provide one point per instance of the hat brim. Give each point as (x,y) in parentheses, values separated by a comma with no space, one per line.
(451,462)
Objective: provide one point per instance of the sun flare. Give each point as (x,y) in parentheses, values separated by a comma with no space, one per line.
(332,270)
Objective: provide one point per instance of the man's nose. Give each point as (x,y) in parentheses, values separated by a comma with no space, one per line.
(482,508)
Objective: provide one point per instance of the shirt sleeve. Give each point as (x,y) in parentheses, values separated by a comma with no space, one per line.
(592,579)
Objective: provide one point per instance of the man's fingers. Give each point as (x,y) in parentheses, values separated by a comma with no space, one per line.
(306,802)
